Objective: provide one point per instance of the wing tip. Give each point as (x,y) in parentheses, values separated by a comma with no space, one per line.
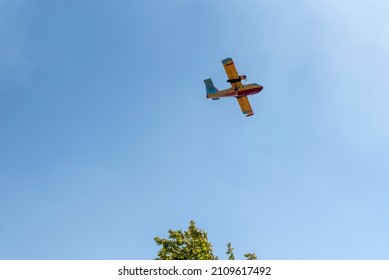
(226,60)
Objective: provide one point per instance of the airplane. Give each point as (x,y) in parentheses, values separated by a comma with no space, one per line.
(237,89)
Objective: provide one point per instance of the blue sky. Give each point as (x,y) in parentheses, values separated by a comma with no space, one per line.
(107,139)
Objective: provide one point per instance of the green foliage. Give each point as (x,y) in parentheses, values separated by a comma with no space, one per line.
(192,244)
(231,256)
(250,256)
(230,251)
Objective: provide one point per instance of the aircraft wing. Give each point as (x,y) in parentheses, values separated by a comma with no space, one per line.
(245,106)
(232,74)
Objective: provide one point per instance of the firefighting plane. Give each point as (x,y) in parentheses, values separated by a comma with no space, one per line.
(237,89)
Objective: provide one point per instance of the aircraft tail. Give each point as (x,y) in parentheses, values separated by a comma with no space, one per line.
(210,88)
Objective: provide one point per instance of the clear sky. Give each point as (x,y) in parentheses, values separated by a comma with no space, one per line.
(107,139)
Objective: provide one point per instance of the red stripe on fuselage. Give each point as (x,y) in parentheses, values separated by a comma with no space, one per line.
(244,92)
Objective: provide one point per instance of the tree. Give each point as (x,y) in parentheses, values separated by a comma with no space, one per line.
(192,244)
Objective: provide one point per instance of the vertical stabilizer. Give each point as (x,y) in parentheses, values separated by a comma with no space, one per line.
(210,88)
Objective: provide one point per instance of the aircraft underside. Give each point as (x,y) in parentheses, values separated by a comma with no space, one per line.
(237,89)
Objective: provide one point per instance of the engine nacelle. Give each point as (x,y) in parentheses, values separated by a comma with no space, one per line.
(242,77)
